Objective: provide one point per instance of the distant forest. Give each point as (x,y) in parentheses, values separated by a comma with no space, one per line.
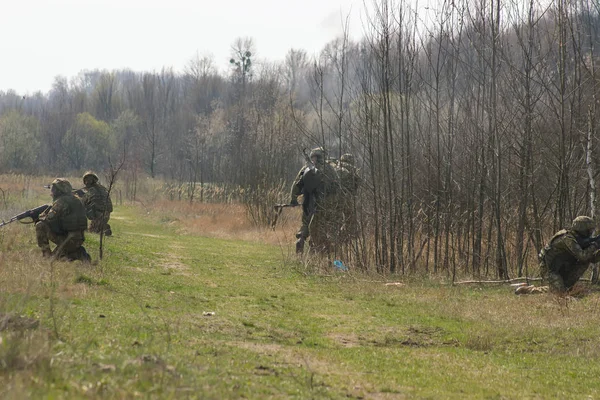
(476,137)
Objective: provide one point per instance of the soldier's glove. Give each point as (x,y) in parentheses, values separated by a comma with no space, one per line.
(294,202)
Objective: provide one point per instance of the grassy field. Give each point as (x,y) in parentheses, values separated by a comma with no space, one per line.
(183,306)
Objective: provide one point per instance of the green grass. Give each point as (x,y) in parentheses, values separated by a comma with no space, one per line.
(135,325)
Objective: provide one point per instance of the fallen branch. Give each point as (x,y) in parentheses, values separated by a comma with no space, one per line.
(503,281)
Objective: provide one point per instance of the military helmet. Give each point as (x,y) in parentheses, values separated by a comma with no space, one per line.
(62,186)
(347,158)
(583,225)
(91,175)
(318,152)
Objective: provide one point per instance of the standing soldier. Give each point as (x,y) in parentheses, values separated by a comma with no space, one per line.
(63,224)
(98,205)
(316,182)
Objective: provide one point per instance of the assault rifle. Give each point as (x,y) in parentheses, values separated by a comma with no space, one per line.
(587,242)
(278,209)
(27,217)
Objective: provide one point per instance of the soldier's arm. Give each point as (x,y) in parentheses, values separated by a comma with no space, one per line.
(55,214)
(582,255)
(85,197)
(297,187)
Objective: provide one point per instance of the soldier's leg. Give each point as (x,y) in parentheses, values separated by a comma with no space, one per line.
(72,247)
(540,289)
(302,234)
(42,234)
(96,225)
(543,271)
(530,289)
(45,235)
(574,274)
(78,253)
(556,282)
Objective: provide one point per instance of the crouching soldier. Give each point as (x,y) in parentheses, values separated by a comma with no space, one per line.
(569,254)
(63,224)
(98,204)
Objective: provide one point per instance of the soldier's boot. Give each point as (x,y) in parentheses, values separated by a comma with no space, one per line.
(46,253)
(525,289)
(108,232)
(300,245)
(77,254)
(531,289)
(85,256)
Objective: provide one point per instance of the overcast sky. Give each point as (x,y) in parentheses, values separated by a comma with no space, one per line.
(41,39)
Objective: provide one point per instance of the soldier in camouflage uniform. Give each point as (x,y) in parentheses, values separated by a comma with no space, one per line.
(563,261)
(98,204)
(317,182)
(63,224)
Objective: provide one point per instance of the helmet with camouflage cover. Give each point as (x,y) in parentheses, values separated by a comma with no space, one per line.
(347,158)
(583,225)
(61,186)
(92,177)
(319,153)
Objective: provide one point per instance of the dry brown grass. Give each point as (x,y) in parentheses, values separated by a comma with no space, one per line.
(228,221)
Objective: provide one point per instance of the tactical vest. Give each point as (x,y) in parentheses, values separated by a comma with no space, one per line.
(312,180)
(74,218)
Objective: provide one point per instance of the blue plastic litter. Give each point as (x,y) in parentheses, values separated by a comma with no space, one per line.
(338,264)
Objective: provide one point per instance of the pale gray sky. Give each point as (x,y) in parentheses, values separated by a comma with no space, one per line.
(41,39)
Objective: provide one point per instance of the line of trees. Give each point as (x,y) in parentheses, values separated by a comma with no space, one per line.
(475,130)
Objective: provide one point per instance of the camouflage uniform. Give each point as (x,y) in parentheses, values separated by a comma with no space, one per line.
(317,183)
(563,261)
(98,204)
(530,289)
(63,224)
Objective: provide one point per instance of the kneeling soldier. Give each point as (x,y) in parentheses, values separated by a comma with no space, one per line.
(569,254)
(63,224)
(98,205)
